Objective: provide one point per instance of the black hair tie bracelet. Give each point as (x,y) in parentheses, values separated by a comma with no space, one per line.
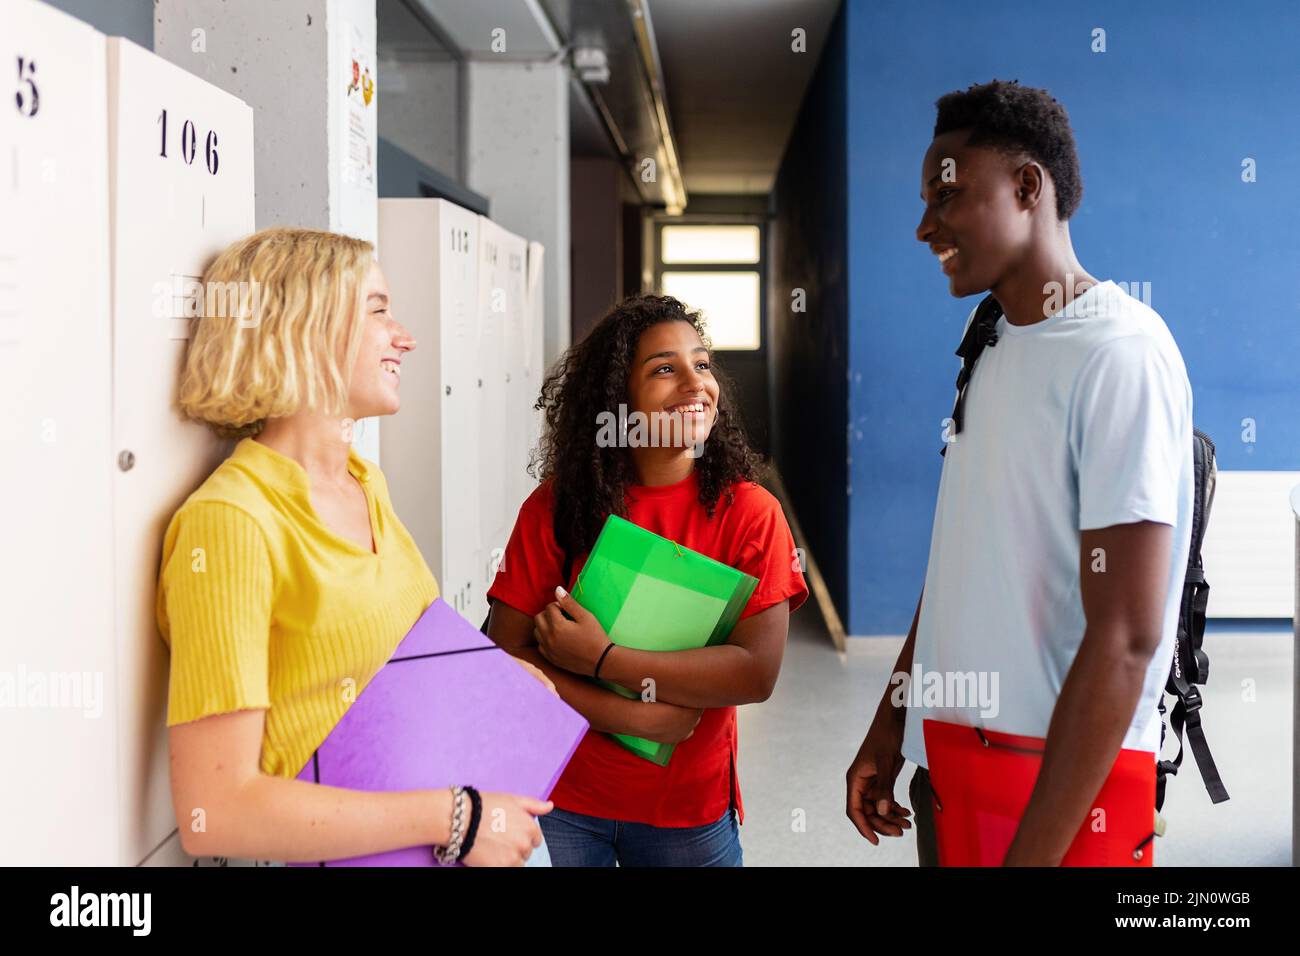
(596,673)
(476,813)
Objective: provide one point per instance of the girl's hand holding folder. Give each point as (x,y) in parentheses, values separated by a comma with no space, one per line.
(577,645)
(574,642)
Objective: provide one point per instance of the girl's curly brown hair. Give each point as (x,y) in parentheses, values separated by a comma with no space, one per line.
(588,481)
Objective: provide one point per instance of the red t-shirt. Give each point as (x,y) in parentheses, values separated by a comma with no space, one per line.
(603,779)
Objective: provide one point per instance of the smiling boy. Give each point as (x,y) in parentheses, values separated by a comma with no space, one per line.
(1063,519)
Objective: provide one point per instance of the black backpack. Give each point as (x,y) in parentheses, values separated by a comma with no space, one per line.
(1191,665)
(568,570)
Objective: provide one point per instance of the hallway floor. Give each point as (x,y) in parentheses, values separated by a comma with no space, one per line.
(796,747)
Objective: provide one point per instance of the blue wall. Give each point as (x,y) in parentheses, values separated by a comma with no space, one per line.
(809,350)
(1163,119)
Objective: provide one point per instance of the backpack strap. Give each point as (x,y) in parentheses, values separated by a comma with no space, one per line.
(981,333)
(1190,665)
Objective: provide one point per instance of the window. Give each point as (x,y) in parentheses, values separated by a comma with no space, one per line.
(728,300)
(716,269)
(709,244)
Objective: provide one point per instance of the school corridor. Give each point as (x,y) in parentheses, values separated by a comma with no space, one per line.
(519,169)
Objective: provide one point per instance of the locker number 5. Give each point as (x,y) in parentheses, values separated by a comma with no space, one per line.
(29,104)
(189,143)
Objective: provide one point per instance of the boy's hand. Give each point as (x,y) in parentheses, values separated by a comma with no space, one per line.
(870,779)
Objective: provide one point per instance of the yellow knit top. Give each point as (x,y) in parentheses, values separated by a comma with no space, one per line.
(263,606)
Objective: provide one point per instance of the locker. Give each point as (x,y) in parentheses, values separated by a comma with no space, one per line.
(516,405)
(534,368)
(431,446)
(56,642)
(494,307)
(181,189)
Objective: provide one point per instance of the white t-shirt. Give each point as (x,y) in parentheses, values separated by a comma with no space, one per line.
(1081,421)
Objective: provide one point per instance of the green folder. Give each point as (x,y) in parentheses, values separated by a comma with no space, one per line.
(652,594)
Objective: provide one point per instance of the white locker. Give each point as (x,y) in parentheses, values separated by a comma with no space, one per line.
(57,727)
(495,305)
(181,189)
(534,369)
(517,405)
(431,446)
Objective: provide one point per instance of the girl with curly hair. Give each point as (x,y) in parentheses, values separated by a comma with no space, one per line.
(689,476)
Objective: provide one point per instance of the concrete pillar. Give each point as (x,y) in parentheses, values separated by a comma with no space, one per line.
(517,154)
(307,68)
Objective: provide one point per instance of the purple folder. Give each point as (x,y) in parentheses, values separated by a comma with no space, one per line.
(448,707)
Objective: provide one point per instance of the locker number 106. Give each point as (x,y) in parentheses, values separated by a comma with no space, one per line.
(189,143)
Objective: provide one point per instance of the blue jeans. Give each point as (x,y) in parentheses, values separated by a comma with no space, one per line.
(540,856)
(575,839)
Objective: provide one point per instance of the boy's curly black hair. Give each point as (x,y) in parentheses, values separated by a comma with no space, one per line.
(1014,118)
(588,481)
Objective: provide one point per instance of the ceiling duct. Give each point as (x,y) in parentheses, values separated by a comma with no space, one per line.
(613,59)
(627,90)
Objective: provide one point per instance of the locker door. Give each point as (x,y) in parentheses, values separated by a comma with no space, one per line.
(518,400)
(534,367)
(409,237)
(491,439)
(462,239)
(430,258)
(57,688)
(181,187)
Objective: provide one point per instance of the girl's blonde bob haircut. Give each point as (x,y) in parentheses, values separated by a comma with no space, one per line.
(294,350)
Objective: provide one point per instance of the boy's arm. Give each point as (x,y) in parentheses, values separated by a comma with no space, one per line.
(870,802)
(1124,607)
